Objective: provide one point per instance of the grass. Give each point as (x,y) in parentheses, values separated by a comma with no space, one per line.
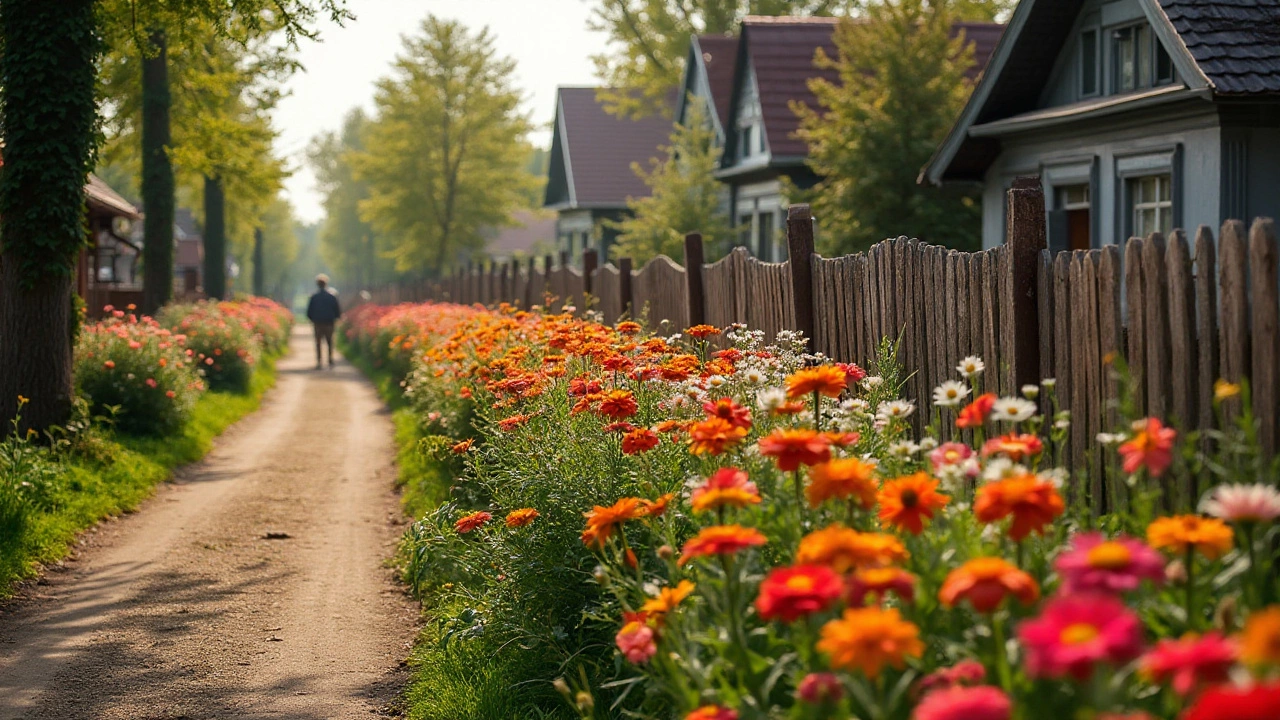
(124,474)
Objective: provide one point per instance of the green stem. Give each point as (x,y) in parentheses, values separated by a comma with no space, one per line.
(1002,656)
(1192,621)
(799,496)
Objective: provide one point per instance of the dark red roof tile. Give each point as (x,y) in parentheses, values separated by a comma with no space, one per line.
(602,147)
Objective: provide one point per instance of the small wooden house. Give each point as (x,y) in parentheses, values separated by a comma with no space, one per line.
(108,271)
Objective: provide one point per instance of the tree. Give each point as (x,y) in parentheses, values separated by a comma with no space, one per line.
(445,156)
(685,198)
(158,189)
(49,121)
(902,85)
(651,39)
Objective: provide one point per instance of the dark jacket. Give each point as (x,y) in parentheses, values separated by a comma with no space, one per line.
(323,308)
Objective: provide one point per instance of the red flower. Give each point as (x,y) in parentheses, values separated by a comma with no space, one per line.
(721,540)
(467,523)
(793,448)
(618,405)
(1151,447)
(728,486)
(1015,446)
(964,703)
(712,712)
(713,436)
(727,409)
(853,374)
(820,689)
(790,593)
(1257,702)
(636,640)
(639,441)
(975,413)
(1190,662)
(513,422)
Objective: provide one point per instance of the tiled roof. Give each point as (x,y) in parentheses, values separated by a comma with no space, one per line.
(1236,43)
(102,198)
(719,52)
(531,227)
(601,148)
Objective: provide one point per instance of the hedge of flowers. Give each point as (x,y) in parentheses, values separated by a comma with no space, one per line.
(673,531)
(228,338)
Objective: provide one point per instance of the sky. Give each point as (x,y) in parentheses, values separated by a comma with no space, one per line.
(548,39)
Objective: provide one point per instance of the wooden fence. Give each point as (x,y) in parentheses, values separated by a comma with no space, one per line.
(1181,313)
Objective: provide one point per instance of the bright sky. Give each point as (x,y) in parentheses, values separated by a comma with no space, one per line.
(548,39)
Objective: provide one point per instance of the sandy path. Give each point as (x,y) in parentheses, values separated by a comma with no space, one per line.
(186,610)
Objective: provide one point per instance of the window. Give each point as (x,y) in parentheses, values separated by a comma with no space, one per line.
(744,230)
(1151,201)
(747,148)
(764,238)
(1089,63)
(1074,225)
(1138,59)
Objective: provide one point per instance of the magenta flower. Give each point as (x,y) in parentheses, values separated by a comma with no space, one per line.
(1191,662)
(964,703)
(1076,632)
(1096,564)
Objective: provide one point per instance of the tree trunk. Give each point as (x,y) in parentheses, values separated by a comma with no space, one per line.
(215,238)
(259,272)
(48,120)
(157,179)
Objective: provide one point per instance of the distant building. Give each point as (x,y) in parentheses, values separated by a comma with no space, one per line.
(188,253)
(590,177)
(534,233)
(107,270)
(1138,116)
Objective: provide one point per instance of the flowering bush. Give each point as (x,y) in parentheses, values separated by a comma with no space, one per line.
(138,372)
(771,535)
(227,339)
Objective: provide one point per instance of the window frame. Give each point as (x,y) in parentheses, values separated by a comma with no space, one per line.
(1155,161)
(1097,62)
(1137,32)
(1137,204)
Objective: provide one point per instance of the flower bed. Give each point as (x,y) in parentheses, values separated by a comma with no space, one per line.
(768,535)
(227,339)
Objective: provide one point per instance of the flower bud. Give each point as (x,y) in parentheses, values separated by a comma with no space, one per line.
(601,575)
(1226,613)
(1176,573)
(632,562)
(1030,392)
(820,689)
(561,686)
(584,701)
(666,552)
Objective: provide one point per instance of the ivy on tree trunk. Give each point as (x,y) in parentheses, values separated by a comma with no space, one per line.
(157,178)
(48,119)
(215,238)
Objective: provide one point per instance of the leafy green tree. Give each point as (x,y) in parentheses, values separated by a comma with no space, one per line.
(445,156)
(901,86)
(685,198)
(650,39)
(50,124)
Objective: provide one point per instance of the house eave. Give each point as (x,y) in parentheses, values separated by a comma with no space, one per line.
(1104,107)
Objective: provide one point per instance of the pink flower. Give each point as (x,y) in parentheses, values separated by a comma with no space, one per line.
(820,689)
(1076,632)
(1244,503)
(1095,563)
(964,703)
(151,382)
(637,641)
(965,672)
(952,460)
(1190,662)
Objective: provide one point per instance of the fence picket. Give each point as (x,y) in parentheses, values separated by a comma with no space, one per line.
(1265,385)
(1206,323)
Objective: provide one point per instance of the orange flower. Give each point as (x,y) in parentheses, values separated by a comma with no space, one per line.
(1260,641)
(702,331)
(463,446)
(791,448)
(712,712)
(656,508)
(1181,533)
(638,441)
(603,521)
(1033,502)
(629,328)
(1151,447)
(618,404)
(975,413)
(985,582)
(827,380)
(667,599)
(1014,446)
(467,523)
(728,486)
(868,639)
(842,549)
(713,436)
(907,501)
(726,408)
(842,479)
(721,540)
(513,422)
(880,582)
(791,593)
(521,517)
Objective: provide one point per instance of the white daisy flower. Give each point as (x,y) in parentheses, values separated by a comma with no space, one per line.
(1001,468)
(1012,409)
(928,443)
(971,366)
(1049,383)
(716,380)
(771,399)
(904,448)
(895,410)
(1062,424)
(754,376)
(1244,503)
(950,393)
(1030,392)
(871,382)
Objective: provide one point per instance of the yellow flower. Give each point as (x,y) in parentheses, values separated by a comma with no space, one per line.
(1180,533)
(1223,390)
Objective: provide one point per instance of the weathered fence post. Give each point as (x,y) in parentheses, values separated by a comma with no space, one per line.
(695,294)
(624,287)
(1026,223)
(590,261)
(508,282)
(800,252)
(532,265)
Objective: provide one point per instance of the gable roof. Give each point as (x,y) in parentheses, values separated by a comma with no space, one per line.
(1225,47)
(592,152)
(715,56)
(781,51)
(530,228)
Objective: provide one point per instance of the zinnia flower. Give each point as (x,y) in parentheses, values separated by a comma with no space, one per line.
(639,441)
(702,331)
(1015,446)
(667,599)
(462,447)
(1030,500)
(637,640)
(842,549)
(791,593)
(727,409)
(1177,534)
(618,405)
(842,479)
(965,672)
(712,712)
(727,487)
(713,436)
(880,581)
(825,379)
(1260,641)
(985,582)
(1076,632)
(950,454)
(852,372)
(721,540)
(792,448)
(521,517)
(1151,447)
(1255,702)
(602,521)
(1094,563)
(822,688)
(908,501)
(868,639)
(470,522)
(657,507)
(1244,503)
(1190,662)
(964,703)
(975,413)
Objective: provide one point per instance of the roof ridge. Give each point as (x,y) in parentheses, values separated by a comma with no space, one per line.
(790,20)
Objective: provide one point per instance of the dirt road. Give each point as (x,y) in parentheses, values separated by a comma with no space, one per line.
(254,586)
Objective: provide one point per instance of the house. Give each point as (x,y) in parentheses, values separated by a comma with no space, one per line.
(107,271)
(708,79)
(590,177)
(188,255)
(775,62)
(1138,116)
(533,234)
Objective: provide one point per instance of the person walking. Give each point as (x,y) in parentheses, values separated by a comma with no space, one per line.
(323,311)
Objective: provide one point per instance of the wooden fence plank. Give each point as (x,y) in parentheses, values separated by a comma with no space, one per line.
(1135,302)
(1111,330)
(1044,302)
(1206,323)
(1092,409)
(1234,322)
(1182,332)
(1063,350)
(1263,259)
(1156,297)
(1078,368)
